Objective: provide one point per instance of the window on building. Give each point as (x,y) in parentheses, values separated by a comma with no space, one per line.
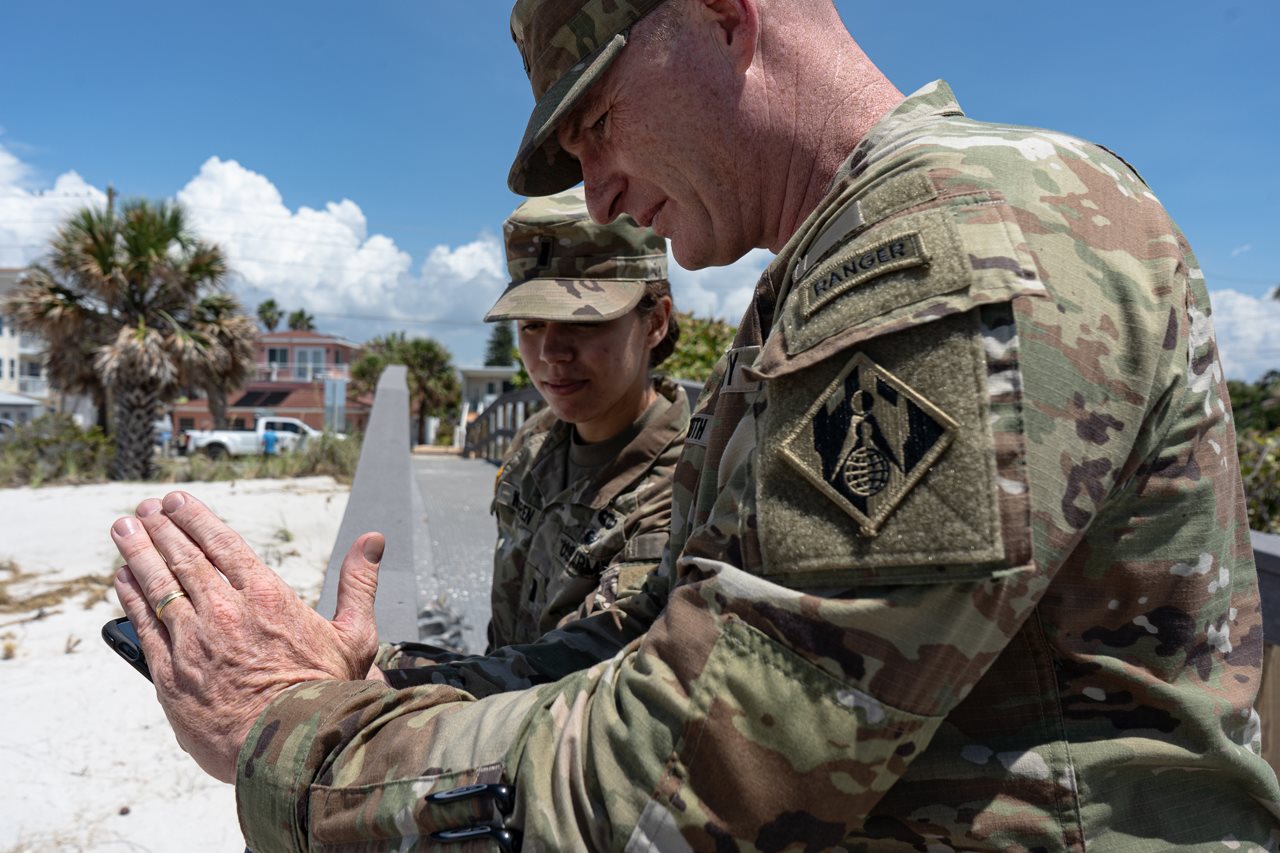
(238,423)
(337,356)
(277,355)
(493,388)
(308,362)
(13,369)
(186,423)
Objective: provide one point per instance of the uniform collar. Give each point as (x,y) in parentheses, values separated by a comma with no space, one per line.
(666,424)
(930,102)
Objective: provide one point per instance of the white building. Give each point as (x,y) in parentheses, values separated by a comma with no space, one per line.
(23,386)
(482,385)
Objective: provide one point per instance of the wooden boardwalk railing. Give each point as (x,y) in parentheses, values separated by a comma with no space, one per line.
(489,435)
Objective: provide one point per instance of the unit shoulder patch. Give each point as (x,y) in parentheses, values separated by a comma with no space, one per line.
(867,441)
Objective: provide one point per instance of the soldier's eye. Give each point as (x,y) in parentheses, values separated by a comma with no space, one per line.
(598,127)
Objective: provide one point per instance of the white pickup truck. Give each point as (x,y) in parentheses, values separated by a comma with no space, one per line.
(290,432)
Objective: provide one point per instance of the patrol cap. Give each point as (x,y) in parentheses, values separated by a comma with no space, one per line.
(566,46)
(567,268)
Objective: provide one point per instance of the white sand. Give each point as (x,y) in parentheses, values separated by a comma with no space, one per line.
(87,760)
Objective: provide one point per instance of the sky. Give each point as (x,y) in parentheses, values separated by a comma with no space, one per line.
(351,158)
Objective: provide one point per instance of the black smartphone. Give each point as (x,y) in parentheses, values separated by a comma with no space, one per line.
(119,635)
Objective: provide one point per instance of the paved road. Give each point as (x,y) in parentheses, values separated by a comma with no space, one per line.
(459,538)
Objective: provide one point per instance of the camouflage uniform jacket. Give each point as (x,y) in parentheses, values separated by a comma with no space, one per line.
(562,547)
(963,560)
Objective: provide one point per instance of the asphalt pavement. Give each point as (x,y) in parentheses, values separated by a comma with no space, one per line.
(459,535)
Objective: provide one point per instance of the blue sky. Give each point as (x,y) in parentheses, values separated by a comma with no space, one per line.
(352,157)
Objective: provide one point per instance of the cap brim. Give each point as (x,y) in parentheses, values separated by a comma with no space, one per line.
(562,300)
(541,166)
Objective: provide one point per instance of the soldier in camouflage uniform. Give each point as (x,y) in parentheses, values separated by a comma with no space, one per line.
(581,524)
(960,554)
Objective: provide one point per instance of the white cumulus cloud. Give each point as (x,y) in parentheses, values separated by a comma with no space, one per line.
(321,260)
(29,216)
(12,170)
(325,260)
(1247,330)
(720,292)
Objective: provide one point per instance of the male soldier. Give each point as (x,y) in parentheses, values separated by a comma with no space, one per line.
(962,561)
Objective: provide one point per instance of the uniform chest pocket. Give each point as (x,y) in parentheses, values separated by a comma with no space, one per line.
(585,548)
(511,509)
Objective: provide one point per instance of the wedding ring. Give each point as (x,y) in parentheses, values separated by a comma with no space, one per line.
(169,599)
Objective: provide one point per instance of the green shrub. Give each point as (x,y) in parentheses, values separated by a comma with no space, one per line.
(702,341)
(53,449)
(326,456)
(1260,470)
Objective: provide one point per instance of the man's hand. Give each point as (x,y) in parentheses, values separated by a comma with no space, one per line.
(241,635)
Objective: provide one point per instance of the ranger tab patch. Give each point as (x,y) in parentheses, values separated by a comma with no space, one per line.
(868,441)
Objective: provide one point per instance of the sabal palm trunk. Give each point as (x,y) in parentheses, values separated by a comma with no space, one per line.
(135,410)
(218,408)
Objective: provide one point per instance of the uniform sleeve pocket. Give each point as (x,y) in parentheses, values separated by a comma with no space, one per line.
(907,271)
(877,457)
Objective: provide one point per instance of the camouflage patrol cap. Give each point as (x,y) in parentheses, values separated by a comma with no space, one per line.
(566,46)
(567,268)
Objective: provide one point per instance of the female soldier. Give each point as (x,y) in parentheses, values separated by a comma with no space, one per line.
(583,503)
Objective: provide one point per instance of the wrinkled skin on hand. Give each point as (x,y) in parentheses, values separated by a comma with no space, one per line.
(241,635)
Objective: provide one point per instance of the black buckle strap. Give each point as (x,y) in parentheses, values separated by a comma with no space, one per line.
(507,841)
(502,795)
(503,799)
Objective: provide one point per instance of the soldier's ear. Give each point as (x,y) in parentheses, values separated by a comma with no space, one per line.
(735,27)
(658,319)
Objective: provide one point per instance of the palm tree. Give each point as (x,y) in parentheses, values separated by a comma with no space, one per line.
(224,351)
(269,315)
(433,385)
(118,302)
(301,321)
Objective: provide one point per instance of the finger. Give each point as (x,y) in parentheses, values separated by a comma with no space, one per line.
(224,548)
(152,634)
(185,559)
(357,587)
(146,565)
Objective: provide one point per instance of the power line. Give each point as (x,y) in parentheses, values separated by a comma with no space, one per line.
(416,321)
(287,216)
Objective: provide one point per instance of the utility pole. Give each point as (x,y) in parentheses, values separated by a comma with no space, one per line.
(111,201)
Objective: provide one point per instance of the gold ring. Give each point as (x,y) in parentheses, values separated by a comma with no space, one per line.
(169,599)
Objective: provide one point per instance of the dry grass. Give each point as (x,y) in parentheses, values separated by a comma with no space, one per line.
(15,599)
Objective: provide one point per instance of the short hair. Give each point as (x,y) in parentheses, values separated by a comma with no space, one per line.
(661,25)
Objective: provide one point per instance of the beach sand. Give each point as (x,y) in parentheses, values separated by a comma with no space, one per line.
(89,761)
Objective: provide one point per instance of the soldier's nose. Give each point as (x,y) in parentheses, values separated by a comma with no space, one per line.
(557,343)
